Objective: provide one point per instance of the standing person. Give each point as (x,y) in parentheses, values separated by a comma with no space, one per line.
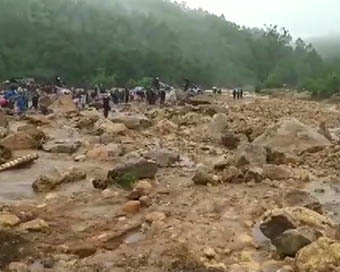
(126,95)
(156,84)
(162,97)
(35,100)
(186,84)
(241,93)
(238,94)
(83,98)
(234,93)
(106,105)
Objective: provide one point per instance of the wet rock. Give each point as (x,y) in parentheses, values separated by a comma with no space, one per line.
(62,146)
(132,207)
(5,154)
(278,157)
(142,188)
(253,173)
(106,152)
(275,172)
(250,154)
(290,135)
(163,157)
(106,126)
(137,167)
(232,141)
(63,105)
(36,225)
(8,220)
(232,175)
(132,121)
(322,256)
(276,225)
(301,198)
(31,130)
(19,141)
(217,127)
(18,267)
(155,216)
(291,241)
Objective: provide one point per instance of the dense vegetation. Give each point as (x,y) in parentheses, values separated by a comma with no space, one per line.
(115,41)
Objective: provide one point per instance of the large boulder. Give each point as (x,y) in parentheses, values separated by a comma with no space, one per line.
(250,154)
(276,172)
(321,256)
(277,221)
(217,126)
(62,146)
(20,141)
(136,121)
(136,167)
(232,140)
(292,240)
(290,135)
(278,157)
(106,152)
(200,100)
(31,130)
(163,157)
(64,105)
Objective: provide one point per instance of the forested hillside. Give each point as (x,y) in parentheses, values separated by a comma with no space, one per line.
(114,41)
(328,46)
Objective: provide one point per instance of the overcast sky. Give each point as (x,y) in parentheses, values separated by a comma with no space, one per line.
(303,18)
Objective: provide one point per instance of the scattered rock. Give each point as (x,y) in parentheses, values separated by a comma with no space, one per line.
(8,220)
(18,267)
(323,130)
(132,207)
(145,201)
(217,127)
(155,216)
(291,241)
(163,157)
(276,172)
(3,120)
(19,141)
(106,126)
(232,175)
(48,181)
(100,184)
(36,225)
(31,130)
(232,140)
(81,250)
(63,105)
(62,146)
(5,154)
(137,167)
(106,153)
(209,252)
(199,100)
(80,158)
(73,174)
(250,154)
(203,178)
(132,121)
(253,174)
(301,198)
(142,188)
(290,135)
(278,157)
(321,256)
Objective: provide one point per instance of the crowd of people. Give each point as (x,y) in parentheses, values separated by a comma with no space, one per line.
(25,95)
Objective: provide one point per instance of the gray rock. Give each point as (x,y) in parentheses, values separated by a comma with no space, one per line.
(232,140)
(250,154)
(62,146)
(276,172)
(163,157)
(292,240)
(301,198)
(5,154)
(217,126)
(276,225)
(137,167)
(203,178)
(253,173)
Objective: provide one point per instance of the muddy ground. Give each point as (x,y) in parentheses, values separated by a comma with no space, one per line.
(212,227)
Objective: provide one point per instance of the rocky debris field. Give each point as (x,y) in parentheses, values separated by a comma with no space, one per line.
(212,185)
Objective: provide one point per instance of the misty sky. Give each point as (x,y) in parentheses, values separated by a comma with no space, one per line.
(303,18)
